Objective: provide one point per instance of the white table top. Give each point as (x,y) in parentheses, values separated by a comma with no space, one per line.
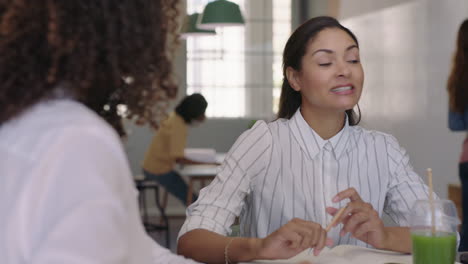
(220,157)
(202,169)
(199,170)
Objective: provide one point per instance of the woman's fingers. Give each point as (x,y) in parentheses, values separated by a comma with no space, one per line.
(320,243)
(359,218)
(307,236)
(359,214)
(294,234)
(332,210)
(354,221)
(350,193)
(312,234)
(329,242)
(364,228)
(293,238)
(356,213)
(353,208)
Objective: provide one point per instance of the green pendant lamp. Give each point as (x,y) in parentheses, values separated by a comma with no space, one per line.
(220,13)
(190,29)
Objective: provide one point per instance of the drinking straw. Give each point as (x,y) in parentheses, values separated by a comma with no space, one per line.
(431,200)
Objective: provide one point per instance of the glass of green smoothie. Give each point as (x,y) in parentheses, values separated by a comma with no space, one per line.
(434,236)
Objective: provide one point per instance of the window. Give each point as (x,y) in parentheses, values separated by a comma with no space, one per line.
(238,70)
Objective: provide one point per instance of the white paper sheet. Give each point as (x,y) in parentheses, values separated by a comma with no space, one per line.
(346,254)
(207,155)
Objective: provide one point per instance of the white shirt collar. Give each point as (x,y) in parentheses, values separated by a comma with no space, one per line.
(311,142)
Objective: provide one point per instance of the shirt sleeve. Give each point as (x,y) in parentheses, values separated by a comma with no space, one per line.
(457,121)
(405,186)
(222,201)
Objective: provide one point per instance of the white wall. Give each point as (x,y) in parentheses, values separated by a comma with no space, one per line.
(406,49)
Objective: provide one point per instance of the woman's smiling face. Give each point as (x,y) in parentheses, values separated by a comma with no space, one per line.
(331,75)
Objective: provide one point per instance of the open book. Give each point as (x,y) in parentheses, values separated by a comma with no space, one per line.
(347,254)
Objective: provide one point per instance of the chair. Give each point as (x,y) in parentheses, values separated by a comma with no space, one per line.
(143,186)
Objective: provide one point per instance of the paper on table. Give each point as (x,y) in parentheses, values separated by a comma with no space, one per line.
(347,254)
(207,155)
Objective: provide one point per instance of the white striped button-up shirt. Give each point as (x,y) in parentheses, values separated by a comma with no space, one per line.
(282,170)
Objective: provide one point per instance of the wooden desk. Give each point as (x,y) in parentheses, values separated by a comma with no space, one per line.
(203,174)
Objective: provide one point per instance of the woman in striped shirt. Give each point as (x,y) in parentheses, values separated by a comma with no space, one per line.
(285,180)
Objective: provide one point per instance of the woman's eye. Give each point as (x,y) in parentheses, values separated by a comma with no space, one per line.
(325,64)
(354,61)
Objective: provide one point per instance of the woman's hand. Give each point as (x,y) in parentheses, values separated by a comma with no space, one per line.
(360,219)
(292,238)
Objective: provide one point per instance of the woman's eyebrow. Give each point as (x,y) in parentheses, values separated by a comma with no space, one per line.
(329,51)
(352,47)
(324,50)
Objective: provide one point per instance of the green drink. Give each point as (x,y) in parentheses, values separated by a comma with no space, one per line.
(437,249)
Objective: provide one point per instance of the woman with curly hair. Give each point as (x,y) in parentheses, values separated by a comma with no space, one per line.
(69,71)
(458,116)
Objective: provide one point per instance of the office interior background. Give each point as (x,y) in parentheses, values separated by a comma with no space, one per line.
(406,50)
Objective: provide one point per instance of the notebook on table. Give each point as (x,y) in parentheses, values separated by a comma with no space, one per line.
(347,254)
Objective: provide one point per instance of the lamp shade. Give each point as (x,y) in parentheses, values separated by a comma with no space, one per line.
(189,27)
(220,13)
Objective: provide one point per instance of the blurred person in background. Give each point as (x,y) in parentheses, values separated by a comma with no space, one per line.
(458,117)
(168,145)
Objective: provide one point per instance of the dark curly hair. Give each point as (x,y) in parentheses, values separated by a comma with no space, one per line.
(105,52)
(457,85)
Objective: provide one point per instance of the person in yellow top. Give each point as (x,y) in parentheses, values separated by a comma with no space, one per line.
(167,146)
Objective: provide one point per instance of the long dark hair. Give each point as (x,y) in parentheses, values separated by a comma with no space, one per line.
(88,48)
(192,107)
(293,53)
(457,84)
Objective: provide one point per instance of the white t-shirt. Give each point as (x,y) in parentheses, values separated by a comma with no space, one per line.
(66,192)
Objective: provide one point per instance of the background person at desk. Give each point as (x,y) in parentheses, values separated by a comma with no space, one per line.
(66,192)
(167,146)
(458,117)
(286,179)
